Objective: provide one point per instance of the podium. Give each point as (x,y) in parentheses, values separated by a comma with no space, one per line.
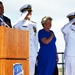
(14,49)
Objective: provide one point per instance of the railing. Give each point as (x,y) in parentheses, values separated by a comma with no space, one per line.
(61,62)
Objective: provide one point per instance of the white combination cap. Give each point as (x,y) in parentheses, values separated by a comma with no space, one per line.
(71,15)
(26,7)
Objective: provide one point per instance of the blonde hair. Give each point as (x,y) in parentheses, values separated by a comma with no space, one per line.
(44,19)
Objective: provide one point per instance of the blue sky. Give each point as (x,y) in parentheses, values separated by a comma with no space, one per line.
(57,9)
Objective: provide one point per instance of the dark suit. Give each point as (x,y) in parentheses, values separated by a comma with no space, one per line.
(7,21)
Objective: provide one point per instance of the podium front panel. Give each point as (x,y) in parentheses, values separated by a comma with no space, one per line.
(14,43)
(7,66)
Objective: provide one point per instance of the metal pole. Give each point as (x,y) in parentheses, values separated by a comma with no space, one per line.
(62,64)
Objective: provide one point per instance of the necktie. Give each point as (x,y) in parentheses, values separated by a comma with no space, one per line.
(1,21)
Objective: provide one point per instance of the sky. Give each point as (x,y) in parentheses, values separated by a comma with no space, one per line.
(57,9)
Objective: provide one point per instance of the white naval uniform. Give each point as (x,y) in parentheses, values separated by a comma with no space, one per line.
(69,35)
(33,41)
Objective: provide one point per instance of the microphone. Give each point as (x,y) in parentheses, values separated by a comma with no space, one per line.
(3,22)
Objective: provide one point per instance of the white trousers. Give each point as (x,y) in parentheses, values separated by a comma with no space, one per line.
(69,65)
(32,61)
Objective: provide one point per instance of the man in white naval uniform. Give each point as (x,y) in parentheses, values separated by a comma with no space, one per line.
(69,35)
(24,23)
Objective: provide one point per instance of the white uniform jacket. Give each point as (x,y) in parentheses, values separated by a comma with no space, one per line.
(69,35)
(33,38)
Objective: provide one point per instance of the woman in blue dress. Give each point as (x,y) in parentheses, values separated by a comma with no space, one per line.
(47,53)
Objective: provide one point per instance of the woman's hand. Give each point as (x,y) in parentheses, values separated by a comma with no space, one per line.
(52,35)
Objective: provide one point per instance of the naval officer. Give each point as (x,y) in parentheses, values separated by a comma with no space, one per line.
(24,23)
(69,35)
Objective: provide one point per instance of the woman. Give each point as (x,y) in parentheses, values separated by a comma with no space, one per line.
(47,53)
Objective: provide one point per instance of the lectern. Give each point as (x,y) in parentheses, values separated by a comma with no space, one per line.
(14,50)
